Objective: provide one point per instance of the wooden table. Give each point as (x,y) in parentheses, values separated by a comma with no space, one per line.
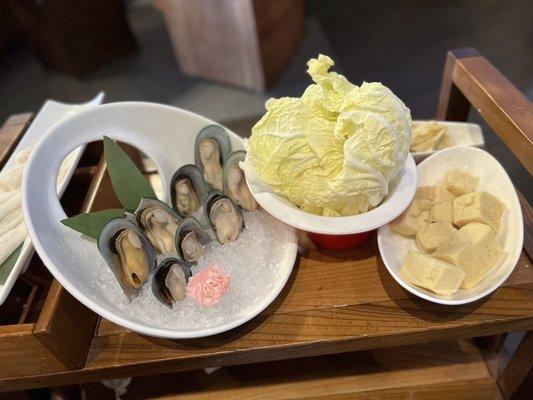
(392,343)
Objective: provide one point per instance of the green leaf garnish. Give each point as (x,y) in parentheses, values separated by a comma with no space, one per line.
(91,224)
(8,264)
(128,182)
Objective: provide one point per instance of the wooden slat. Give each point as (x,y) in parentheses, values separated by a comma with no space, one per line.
(453,105)
(22,354)
(328,278)
(335,375)
(22,395)
(527,213)
(508,112)
(19,119)
(300,334)
(11,133)
(322,331)
(518,367)
(479,389)
(58,321)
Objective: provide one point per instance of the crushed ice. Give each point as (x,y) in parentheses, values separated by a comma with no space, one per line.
(251,262)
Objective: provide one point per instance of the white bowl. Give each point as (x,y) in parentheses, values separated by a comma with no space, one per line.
(166,135)
(401,192)
(494,180)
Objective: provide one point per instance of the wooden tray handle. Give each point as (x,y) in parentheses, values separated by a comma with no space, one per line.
(469,79)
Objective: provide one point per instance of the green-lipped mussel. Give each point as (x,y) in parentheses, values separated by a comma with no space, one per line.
(159,223)
(211,149)
(224,217)
(191,238)
(235,184)
(188,190)
(170,280)
(128,253)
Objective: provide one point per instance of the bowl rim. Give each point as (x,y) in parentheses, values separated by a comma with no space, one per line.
(289,255)
(385,212)
(453,302)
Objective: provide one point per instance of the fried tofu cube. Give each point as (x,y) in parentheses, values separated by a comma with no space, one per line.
(459,182)
(423,218)
(425,271)
(442,209)
(474,249)
(425,193)
(406,224)
(478,207)
(441,202)
(432,235)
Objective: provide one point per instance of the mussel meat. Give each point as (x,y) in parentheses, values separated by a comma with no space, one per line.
(224,217)
(212,147)
(235,184)
(170,281)
(191,239)
(186,199)
(188,190)
(128,253)
(160,223)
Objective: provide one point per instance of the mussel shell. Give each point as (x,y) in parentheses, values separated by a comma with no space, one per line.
(211,199)
(195,176)
(188,225)
(108,251)
(147,202)
(232,160)
(159,288)
(219,135)
(130,217)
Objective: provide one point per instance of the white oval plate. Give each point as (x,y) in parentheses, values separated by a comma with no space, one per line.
(494,180)
(459,134)
(166,135)
(50,113)
(401,192)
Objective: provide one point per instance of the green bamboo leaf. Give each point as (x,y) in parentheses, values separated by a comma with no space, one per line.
(128,182)
(8,264)
(91,224)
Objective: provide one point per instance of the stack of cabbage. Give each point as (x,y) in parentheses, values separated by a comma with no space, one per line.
(334,150)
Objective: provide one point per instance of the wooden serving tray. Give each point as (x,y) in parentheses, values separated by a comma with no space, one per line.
(334,302)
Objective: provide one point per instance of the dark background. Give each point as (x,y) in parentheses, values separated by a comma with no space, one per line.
(400,43)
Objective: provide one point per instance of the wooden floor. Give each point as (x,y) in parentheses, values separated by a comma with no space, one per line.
(430,371)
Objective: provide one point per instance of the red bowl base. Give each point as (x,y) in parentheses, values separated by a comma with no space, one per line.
(340,242)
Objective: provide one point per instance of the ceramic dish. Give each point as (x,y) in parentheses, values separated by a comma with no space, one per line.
(459,134)
(493,179)
(51,113)
(166,135)
(400,195)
